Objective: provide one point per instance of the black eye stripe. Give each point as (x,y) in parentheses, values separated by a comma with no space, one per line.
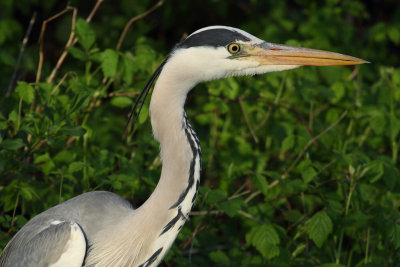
(214,38)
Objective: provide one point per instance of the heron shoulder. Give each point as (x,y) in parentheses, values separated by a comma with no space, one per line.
(74,250)
(58,242)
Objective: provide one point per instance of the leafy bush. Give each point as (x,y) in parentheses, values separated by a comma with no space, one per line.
(300,167)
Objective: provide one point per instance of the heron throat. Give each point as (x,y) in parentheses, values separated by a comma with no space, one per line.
(180,152)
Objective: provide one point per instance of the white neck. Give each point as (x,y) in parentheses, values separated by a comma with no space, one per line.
(170,203)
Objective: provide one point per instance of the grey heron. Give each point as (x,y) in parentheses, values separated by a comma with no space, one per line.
(102,229)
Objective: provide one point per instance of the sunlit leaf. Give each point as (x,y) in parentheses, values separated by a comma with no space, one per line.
(86,35)
(25,91)
(109,62)
(121,101)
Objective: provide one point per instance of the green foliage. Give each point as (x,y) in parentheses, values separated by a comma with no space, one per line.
(265,239)
(300,168)
(319,227)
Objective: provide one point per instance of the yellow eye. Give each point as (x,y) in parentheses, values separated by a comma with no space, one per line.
(233,48)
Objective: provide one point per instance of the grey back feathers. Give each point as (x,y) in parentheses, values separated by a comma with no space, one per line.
(52,239)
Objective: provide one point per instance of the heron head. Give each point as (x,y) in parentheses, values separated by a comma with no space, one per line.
(219,51)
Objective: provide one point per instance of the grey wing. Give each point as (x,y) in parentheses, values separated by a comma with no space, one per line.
(51,243)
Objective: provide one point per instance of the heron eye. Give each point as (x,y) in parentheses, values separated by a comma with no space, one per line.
(233,48)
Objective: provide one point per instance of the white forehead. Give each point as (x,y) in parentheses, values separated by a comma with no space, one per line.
(248,35)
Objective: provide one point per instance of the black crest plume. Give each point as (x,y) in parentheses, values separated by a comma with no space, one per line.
(142,97)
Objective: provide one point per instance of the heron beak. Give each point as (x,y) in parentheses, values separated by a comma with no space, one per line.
(276,54)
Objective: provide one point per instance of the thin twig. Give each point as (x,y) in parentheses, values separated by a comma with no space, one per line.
(249,216)
(204,212)
(240,99)
(354,73)
(94,10)
(64,54)
(213,139)
(132,20)
(69,73)
(265,119)
(310,142)
(71,41)
(306,125)
(41,39)
(253,195)
(276,102)
(196,230)
(21,52)
(239,194)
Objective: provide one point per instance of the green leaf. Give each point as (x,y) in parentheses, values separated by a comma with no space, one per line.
(231,207)
(86,35)
(378,122)
(80,101)
(215,196)
(26,193)
(395,236)
(144,114)
(121,101)
(308,174)
(339,92)
(129,68)
(394,126)
(12,144)
(42,158)
(261,183)
(394,34)
(73,131)
(265,239)
(319,227)
(76,166)
(65,156)
(77,53)
(109,62)
(299,249)
(375,170)
(25,91)
(220,258)
(46,162)
(287,143)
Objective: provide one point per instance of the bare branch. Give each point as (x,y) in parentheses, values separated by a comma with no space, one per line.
(132,20)
(41,39)
(21,52)
(71,41)
(94,10)
(247,119)
(311,141)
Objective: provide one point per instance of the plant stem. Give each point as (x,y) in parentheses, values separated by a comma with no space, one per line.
(367,247)
(353,186)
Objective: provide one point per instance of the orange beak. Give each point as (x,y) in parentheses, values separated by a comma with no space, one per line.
(276,54)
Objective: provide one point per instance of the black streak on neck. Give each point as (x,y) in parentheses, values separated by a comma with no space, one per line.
(172,223)
(152,258)
(195,147)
